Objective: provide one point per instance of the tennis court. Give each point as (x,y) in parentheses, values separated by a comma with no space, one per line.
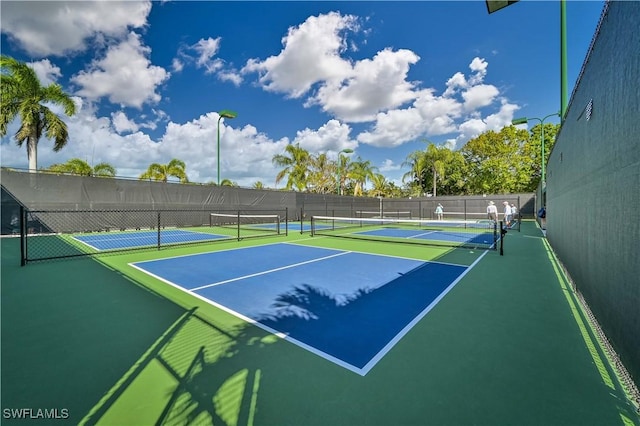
(115,241)
(342,322)
(305,330)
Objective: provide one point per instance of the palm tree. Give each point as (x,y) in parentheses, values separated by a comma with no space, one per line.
(435,159)
(80,167)
(321,175)
(24,96)
(258,185)
(228,182)
(162,172)
(296,166)
(416,160)
(361,171)
(344,171)
(380,185)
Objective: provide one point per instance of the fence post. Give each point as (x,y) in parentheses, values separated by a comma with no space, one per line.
(158,230)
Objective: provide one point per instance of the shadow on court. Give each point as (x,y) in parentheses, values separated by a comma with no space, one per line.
(70,330)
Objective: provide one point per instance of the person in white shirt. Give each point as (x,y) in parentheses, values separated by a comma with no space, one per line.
(514,214)
(492,211)
(507,214)
(439,211)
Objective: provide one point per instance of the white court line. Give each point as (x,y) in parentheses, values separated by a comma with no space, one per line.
(420,235)
(270,270)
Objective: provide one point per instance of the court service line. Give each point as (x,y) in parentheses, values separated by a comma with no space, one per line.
(420,235)
(270,270)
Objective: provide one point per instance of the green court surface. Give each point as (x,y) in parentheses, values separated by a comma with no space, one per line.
(110,345)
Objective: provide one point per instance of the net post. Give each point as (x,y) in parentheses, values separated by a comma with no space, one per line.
(312,226)
(238,225)
(465,209)
(302,220)
(502,234)
(519,215)
(158,230)
(495,235)
(286,222)
(23,237)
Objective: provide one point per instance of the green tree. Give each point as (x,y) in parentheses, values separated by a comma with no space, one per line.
(533,150)
(428,165)
(23,96)
(360,172)
(344,171)
(296,166)
(258,185)
(381,187)
(228,182)
(321,174)
(454,180)
(162,172)
(498,162)
(416,161)
(80,167)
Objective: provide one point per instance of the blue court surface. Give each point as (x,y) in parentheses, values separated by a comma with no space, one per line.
(117,240)
(348,307)
(485,239)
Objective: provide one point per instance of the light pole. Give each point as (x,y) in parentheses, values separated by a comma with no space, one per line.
(346,151)
(223,114)
(524,120)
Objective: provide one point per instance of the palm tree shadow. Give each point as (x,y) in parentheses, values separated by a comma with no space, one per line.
(219,384)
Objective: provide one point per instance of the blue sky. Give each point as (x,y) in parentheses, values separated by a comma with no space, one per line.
(149,78)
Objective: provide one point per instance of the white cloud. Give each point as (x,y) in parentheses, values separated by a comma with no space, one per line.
(331,138)
(207,49)
(125,75)
(311,54)
(376,84)
(245,153)
(479,96)
(459,110)
(388,165)
(47,72)
(479,67)
(177,65)
(232,76)
(454,83)
(57,28)
(122,124)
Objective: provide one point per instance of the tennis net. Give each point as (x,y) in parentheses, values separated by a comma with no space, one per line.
(246,225)
(477,234)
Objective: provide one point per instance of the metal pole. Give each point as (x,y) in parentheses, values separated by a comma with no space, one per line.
(563,59)
(218,154)
(544,179)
